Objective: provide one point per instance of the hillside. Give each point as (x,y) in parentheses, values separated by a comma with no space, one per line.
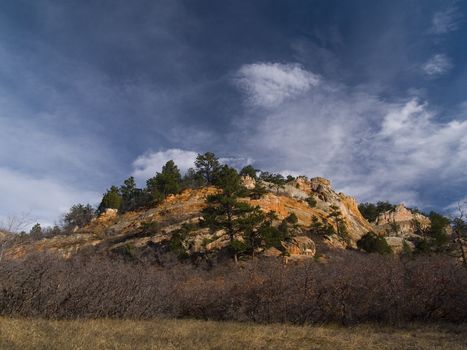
(151,231)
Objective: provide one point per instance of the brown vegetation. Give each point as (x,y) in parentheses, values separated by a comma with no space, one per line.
(24,334)
(351,288)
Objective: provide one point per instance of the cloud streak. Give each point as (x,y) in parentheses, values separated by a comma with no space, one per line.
(437,65)
(270,84)
(446,21)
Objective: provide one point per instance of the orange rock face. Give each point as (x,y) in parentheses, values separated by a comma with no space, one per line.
(160,222)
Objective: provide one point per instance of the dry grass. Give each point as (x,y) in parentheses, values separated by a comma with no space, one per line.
(189,334)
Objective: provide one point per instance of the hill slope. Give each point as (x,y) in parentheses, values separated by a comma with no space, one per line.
(152,230)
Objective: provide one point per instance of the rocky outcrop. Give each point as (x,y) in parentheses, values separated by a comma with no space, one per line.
(400,222)
(292,199)
(399,244)
(156,227)
(3,235)
(300,245)
(248,182)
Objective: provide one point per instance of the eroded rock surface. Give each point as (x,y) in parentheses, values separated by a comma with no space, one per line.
(156,227)
(400,222)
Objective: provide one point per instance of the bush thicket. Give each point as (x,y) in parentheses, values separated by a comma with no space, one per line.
(350,289)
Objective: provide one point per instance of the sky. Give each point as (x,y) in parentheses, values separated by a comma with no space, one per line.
(370,94)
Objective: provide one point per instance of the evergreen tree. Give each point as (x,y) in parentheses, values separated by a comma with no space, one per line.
(250,224)
(36,232)
(168,181)
(249,171)
(277,180)
(311,200)
(131,195)
(438,230)
(459,235)
(371,211)
(336,216)
(372,243)
(224,211)
(128,188)
(258,191)
(79,216)
(321,228)
(230,182)
(192,179)
(111,200)
(207,165)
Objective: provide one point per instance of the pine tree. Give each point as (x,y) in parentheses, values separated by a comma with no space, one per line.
(36,232)
(192,179)
(131,196)
(111,200)
(224,211)
(207,165)
(258,191)
(372,243)
(168,181)
(249,171)
(336,216)
(79,216)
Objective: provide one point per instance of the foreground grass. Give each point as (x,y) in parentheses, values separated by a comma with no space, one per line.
(190,334)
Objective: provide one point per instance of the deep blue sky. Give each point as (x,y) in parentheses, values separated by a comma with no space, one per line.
(370,94)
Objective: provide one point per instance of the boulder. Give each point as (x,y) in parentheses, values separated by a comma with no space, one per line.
(272,252)
(397,244)
(300,245)
(400,222)
(248,182)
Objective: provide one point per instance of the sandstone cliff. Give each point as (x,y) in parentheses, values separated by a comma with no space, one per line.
(152,230)
(399,226)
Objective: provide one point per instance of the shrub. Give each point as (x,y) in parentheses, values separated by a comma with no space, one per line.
(311,201)
(272,236)
(371,211)
(249,170)
(349,288)
(79,216)
(292,218)
(111,200)
(372,243)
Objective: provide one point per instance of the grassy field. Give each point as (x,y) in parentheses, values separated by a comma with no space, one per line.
(188,334)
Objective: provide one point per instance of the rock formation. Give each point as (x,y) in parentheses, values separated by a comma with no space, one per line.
(154,229)
(400,222)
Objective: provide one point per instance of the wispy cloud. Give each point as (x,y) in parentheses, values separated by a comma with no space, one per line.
(437,65)
(446,20)
(369,147)
(270,84)
(146,165)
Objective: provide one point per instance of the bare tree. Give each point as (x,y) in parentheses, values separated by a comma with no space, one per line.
(459,232)
(13,224)
(16,223)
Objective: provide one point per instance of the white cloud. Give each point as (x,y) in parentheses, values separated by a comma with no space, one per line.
(369,147)
(270,84)
(146,165)
(236,162)
(43,198)
(446,21)
(437,65)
